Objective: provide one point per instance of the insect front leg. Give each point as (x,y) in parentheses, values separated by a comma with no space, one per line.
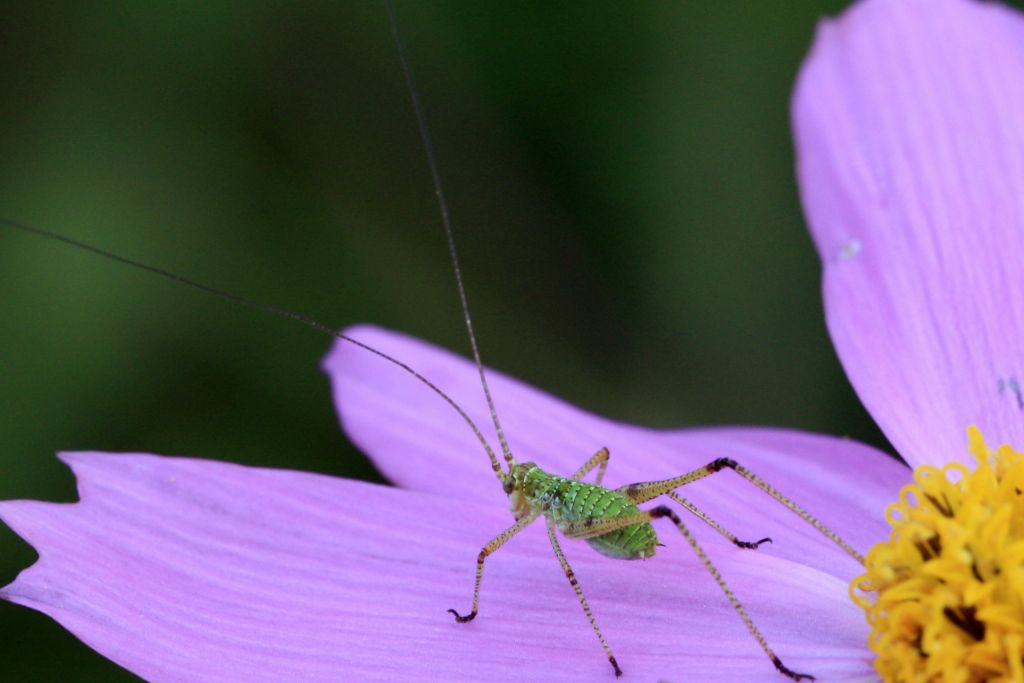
(495,543)
(599,458)
(648,490)
(569,574)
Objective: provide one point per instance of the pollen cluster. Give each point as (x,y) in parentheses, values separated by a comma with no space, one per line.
(944,596)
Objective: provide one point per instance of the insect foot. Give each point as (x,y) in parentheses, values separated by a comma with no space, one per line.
(752,545)
(789,672)
(721,464)
(463,619)
(615,665)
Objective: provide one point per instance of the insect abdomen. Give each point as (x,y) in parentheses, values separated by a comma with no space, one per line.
(566,500)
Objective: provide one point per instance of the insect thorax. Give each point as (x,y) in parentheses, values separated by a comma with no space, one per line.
(565,500)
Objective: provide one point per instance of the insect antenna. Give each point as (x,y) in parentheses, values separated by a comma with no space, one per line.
(428,148)
(259,306)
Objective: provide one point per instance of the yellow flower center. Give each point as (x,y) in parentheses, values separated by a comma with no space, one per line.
(944,596)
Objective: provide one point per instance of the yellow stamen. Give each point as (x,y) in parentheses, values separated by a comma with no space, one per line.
(944,596)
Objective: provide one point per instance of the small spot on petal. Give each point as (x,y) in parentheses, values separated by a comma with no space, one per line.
(848,251)
(1011,386)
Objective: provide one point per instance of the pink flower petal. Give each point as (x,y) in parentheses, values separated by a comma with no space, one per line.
(419,442)
(194,570)
(908,118)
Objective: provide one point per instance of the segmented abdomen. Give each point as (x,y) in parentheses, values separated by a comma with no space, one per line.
(565,500)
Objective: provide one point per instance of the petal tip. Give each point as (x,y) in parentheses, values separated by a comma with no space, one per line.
(71,458)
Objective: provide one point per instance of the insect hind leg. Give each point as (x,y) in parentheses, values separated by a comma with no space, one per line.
(648,490)
(591,527)
(665,511)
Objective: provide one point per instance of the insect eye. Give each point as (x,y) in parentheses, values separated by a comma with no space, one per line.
(508,484)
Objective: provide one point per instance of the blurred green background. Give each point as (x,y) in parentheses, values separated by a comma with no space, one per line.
(620,175)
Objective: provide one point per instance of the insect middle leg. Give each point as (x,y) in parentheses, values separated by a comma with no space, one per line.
(495,543)
(569,574)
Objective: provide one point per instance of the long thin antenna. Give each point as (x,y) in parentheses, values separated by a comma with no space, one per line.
(428,147)
(265,308)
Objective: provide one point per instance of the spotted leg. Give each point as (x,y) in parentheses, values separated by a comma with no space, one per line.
(569,574)
(599,458)
(495,543)
(592,527)
(648,490)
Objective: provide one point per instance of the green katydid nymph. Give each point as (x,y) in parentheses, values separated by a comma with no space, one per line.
(609,520)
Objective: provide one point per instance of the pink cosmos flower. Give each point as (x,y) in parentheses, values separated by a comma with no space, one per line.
(182,569)
(907,118)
